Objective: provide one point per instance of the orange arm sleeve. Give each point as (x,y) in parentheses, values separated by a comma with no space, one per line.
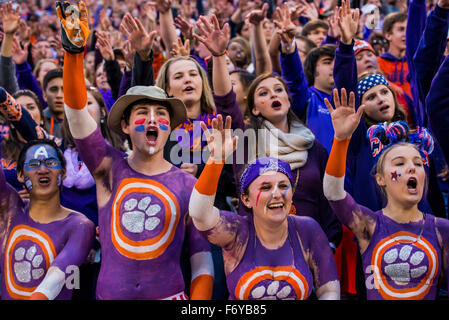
(201,287)
(336,164)
(208,180)
(38,296)
(75,94)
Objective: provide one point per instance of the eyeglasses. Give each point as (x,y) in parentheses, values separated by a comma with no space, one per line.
(379,41)
(50,163)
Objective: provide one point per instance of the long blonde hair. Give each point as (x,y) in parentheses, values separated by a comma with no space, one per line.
(163,81)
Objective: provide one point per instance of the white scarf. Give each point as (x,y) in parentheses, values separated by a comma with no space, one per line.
(78,178)
(290,147)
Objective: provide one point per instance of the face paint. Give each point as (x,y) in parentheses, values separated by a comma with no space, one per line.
(41,154)
(258,195)
(163,124)
(395,176)
(28,184)
(152,114)
(262,102)
(59,180)
(152,150)
(285,192)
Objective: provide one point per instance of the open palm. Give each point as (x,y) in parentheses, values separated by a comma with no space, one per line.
(348,21)
(10,18)
(219,140)
(344,117)
(214,38)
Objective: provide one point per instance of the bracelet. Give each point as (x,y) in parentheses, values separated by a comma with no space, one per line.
(289,46)
(221,54)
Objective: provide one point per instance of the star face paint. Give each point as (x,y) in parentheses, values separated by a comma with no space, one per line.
(39,155)
(395,176)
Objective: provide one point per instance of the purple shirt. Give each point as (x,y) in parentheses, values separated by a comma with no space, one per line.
(402,260)
(31,248)
(283,273)
(143,223)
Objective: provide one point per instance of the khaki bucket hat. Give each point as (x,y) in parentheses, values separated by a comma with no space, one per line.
(152,93)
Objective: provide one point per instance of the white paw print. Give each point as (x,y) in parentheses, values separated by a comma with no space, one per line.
(28,269)
(402,265)
(272,292)
(139,216)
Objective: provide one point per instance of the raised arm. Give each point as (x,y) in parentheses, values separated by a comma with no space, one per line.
(81,123)
(345,120)
(437,105)
(221,145)
(167,26)
(262,58)
(291,66)
(216,40)
(142,43)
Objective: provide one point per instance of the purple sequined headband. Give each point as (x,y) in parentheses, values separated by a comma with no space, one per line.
(260,166)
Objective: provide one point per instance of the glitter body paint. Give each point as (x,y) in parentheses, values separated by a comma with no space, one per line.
(403,261)
(395,176)
(263,273)
(140,209)
(31,247)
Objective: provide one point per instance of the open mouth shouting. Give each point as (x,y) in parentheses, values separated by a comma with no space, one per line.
(152,134)
(188,89)
(276,105)
(44,181)
(412,185)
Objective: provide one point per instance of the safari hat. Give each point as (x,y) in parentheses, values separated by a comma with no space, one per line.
(152,93)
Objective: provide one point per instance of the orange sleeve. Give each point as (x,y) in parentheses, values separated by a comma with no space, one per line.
(336,164)
(38,296)
(75,94)
(208,180)
(201,287)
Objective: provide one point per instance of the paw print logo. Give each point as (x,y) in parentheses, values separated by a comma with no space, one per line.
(140,215)
(145,215)
(405,266)
(402,266)
(272,283)
(276,290)
(29,253)
(28,264)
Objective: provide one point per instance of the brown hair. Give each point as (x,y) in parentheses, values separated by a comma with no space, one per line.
(312,25)
(399,113)
(391,19)
(246,48)
(256,121)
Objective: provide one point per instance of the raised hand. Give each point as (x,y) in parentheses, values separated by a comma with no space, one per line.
(258,15)
(286,29)
(10,18)
(344,117)
(309,10)
(334,29)
(104,46)
(163,5)
(75,25)
(348,21)
(219,140)
(128,53)
(141,41)
(214,38)
(185,27)
(180,49)
(19,55)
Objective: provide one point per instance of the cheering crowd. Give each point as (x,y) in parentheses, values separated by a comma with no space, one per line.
(224,149)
